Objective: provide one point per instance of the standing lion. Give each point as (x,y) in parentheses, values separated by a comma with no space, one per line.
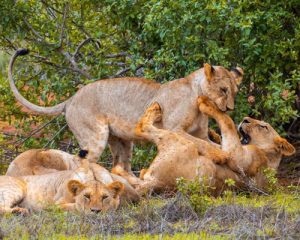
(107,111)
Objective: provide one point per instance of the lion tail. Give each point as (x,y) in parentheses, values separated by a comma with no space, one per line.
(55,110)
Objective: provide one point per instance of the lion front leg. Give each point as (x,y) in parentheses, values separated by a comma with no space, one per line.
(71,207)
(230,137)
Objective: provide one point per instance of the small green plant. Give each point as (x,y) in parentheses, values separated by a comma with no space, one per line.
(229,194)
(271,180)
(197,192)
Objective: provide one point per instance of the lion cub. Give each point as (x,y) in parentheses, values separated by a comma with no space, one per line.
(44,161)
(260,146)
(178,156)
(73,190)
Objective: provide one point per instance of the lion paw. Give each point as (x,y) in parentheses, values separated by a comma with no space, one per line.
(155,111)
(20,211)
(205,105)
(219,157)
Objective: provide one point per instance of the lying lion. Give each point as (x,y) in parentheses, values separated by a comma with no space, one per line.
(108,110)
(260,144)
(74,190)
(41,161)
(178,156)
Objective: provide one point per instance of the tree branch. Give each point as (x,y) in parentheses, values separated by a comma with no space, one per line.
(125,70)
(121,54)
(63,25)
(84,42)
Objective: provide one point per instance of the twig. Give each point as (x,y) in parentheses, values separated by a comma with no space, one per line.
(125,70)
(86,41)
(121,54)
(39,38)
(119,64)
(55,135)
(19,142)
(63,25)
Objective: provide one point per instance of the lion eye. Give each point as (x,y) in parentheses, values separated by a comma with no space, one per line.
(224,90)
(263,127)
(87,196)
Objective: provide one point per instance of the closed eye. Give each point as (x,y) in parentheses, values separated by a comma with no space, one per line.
(263,127)
(104,197)
(224,90)
(87,196)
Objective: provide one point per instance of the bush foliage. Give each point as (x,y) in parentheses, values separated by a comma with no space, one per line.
(160,39)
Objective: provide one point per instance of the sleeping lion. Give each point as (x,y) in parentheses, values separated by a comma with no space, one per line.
(73,190)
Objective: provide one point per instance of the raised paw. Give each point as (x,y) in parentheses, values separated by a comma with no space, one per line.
(20,211)
(206,106)
(155,112)
(219,157)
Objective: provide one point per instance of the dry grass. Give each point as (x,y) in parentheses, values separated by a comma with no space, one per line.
(165,217)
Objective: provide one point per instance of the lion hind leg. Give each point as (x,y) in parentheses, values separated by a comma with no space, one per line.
(40,170)
(145,127)
(92,139)
(121,151)
(12,192)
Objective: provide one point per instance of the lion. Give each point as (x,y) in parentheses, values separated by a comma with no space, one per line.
(45,161)
(107,111)
(178,157)
(71,190)
(260,146)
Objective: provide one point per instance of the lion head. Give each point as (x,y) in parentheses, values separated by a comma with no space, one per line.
(262,134)
(221,85)
(94,196)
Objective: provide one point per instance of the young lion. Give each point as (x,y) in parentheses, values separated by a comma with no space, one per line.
(108,110)
(178,156)
(41,161)
(69,190)
(260,145)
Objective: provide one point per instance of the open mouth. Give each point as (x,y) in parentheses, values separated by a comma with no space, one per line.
(245,137)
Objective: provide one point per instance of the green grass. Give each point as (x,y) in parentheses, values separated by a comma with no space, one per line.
(237,216)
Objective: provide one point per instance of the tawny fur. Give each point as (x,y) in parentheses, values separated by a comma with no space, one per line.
(108,110)
(73,190)
(265,146)
(41,161)
(179,157)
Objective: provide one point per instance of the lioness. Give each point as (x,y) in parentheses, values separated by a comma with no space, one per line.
(69,190)
(108,110)
(41,161)
(178,156)
(260,144)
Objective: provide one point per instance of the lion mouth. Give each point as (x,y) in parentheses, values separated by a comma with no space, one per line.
(245,137)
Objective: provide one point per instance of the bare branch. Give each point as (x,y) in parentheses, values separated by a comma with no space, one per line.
(55,135)
(10,43)
(125,70)
(71,59)
(21,141)
(84,42)
(63,25)
(121,54)
(119,64)
(39,38)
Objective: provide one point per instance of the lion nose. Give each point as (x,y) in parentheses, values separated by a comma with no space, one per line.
(95,210)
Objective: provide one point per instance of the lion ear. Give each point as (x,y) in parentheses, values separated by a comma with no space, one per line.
(239,74)
(116,187)
(284,146)
(75,187)
(209,71)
